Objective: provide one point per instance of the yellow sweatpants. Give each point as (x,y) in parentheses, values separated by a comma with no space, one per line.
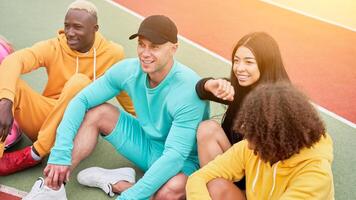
(39,116)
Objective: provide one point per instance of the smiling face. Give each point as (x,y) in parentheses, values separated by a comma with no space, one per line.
(245,67)
(155,59)
(79,28)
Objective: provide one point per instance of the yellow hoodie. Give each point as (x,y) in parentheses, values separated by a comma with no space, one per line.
(60,62)
(306,175)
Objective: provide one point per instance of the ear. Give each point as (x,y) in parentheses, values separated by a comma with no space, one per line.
(174,47)
(96,27)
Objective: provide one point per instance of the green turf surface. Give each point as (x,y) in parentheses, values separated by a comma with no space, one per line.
(25,22)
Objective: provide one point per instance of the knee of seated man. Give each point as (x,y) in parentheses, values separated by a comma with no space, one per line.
(174,189)
(207,129)
(218,186)
(168,194)
(104,116)
(76,83)
(100,112)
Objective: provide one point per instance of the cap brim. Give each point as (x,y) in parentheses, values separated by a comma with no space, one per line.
(133,36)
(152,37)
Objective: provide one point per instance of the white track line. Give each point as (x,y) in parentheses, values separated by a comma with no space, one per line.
(225,60)
(308,15)
(338,117)
(205,50)
(12,191)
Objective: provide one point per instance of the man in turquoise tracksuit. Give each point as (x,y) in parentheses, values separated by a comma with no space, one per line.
(161,140)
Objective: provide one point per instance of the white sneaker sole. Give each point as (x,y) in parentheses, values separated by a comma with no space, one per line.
(102,178)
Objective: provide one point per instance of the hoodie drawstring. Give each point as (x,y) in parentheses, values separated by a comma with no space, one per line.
(274,178)
(94,70)
(77,68)
(94,65)
(258,171)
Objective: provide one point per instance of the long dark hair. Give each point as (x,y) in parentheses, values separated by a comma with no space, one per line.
(270,64)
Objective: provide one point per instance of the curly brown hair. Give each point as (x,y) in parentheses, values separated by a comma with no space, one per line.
(278,120)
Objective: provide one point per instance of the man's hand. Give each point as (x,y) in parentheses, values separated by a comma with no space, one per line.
(221,88)
(6,118)
(56,175)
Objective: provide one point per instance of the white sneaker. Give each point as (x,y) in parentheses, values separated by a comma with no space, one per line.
(105,178)
(41,192)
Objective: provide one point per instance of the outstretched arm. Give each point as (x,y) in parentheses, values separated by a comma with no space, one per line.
(61,154)
(12,67)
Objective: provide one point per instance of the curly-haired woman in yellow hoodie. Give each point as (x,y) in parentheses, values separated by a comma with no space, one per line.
(285,154)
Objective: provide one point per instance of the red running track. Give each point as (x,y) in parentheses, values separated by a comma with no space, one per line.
(319,57)
(5,196)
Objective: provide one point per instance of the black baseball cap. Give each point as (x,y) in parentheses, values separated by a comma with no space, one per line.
(158,29)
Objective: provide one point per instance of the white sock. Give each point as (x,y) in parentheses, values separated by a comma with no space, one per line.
(34,155)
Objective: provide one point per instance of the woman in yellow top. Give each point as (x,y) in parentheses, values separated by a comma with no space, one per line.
(285,154)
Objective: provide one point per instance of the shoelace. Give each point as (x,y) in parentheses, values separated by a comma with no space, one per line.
(108,186)
(110,193)
(37,190)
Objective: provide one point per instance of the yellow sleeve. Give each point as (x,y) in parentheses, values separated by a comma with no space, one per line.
(20,62)
(313,183)
(125,101)
(229,166)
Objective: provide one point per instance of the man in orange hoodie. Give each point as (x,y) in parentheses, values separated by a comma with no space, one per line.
(72,60)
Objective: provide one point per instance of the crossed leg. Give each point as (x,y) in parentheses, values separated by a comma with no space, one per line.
(103,119)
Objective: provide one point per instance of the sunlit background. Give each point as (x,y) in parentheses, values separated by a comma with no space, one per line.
(341,12)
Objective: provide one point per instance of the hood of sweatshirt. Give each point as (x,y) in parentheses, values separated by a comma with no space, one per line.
(97,49)
(100,45)
(322,150)
(64,62)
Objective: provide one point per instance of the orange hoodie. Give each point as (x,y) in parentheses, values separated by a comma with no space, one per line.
(60,62)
